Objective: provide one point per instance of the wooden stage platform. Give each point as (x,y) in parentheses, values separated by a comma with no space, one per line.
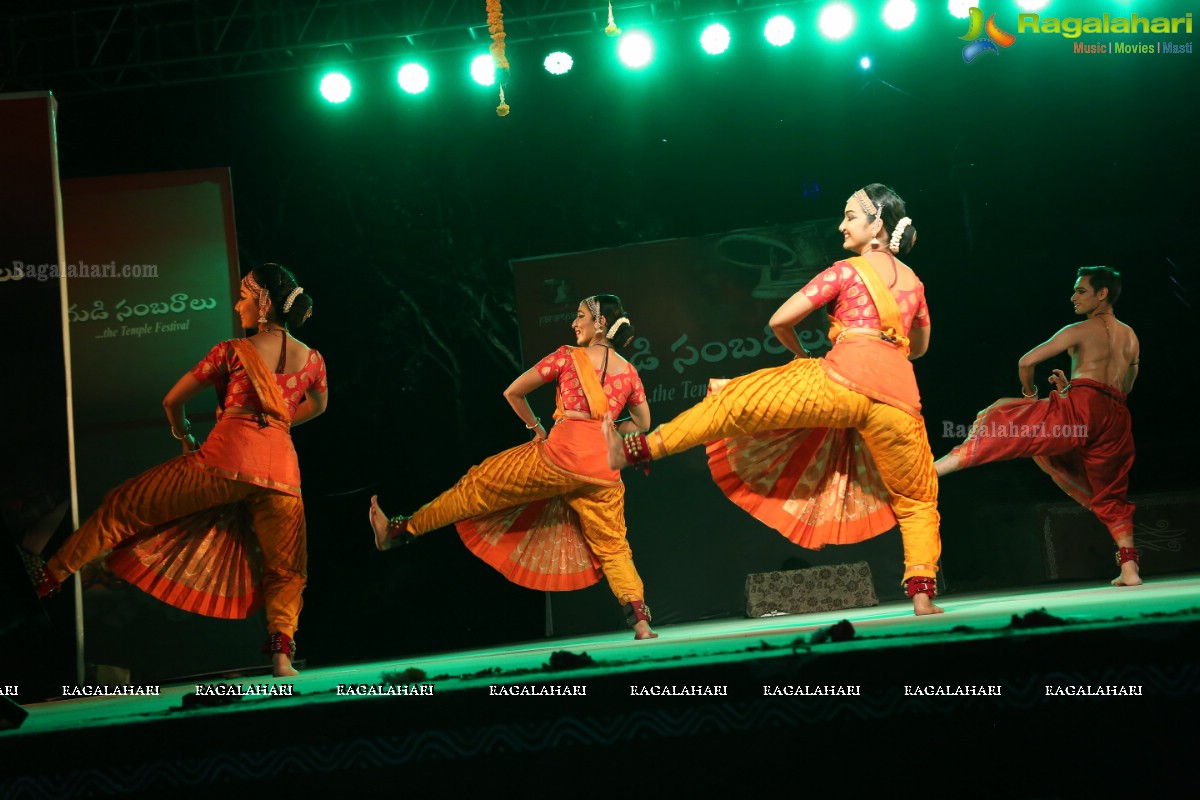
(1089,676)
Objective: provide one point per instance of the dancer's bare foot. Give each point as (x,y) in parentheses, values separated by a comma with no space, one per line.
(283,666)
(922,605)
(947,464)
(1129,575)
(642,631)
(379,524)
(616,450)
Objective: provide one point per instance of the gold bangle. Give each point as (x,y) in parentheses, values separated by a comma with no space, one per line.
(1029,396)
(187,431)
(536,421)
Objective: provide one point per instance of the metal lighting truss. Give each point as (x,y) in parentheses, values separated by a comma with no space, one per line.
(91,46)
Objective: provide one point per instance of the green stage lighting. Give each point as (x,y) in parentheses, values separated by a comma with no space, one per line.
(483,70)
(1032,5)
(635,50)
(865,62)
(413,78)
(558,63)
(715,39)
(335,87)
(961,8)
(779,31)
(836,21)
(899,14)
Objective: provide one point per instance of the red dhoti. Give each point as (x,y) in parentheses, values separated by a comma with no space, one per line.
(1083,440)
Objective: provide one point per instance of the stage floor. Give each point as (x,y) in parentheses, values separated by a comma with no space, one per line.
(1084,678)
(691,647)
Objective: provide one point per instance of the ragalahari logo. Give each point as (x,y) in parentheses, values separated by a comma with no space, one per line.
(984,44)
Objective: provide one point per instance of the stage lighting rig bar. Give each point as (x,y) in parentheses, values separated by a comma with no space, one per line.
(92,47)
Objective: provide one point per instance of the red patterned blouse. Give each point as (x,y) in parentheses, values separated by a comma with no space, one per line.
(239,393)
(622,389)
(854,307)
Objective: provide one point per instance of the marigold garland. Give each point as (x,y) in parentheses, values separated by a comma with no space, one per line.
(611,29)
(496,29)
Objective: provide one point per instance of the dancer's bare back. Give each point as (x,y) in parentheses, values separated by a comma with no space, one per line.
(1101,347)
(1105,350)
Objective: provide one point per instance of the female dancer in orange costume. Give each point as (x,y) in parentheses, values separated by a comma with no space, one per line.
(546,514)
(179,529)
(865,383)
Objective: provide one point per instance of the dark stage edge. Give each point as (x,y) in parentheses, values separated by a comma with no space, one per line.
(1024,742)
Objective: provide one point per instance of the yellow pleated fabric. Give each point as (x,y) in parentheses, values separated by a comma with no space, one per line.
(523,475)
(800,395)
(187,557)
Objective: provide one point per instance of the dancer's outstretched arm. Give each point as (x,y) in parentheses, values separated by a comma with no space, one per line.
(184,390)
(314,405)
(918,342)
(1131,371)
(639,417)
(515,395)
(1056,344)
(787,317)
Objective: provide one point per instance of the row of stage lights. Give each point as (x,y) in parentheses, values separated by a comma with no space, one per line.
(836,21)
